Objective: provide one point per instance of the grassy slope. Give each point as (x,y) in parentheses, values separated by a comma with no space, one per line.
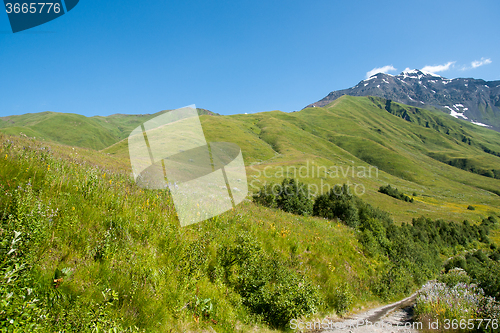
(113,235)
(77,130)
(357,132)
(350,133)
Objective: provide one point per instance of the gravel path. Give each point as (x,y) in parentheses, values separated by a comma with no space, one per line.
(395,317)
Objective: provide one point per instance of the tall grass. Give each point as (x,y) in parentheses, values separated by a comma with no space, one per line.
(94,252)
(84,249)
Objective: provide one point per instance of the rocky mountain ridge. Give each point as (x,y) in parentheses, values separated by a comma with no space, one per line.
(473,100)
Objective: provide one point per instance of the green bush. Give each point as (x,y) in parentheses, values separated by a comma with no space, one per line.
(294,197)
(267,286)
(290,196)
(471,207)
(266,197)
(454,276)
(485,272)
(393,192)
(343,299)
(340,203)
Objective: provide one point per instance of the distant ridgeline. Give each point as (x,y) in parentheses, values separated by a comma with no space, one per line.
(76,130)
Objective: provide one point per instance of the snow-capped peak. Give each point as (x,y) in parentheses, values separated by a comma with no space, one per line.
(411,72)
(417,74)
(375,76)
(432,74)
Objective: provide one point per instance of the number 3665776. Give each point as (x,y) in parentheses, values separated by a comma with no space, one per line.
(33,8)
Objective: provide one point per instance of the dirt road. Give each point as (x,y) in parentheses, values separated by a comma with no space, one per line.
(395,317)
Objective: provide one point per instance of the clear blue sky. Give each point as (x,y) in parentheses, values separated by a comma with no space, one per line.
(106,57)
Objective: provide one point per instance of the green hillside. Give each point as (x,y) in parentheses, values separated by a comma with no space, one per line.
(85,249)
(449,164)
(102,253)
(76,130)
(414,150)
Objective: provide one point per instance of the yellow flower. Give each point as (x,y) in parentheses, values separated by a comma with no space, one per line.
(73,208)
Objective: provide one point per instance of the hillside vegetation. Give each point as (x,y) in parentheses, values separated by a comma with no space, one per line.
(85,249)
(353,134)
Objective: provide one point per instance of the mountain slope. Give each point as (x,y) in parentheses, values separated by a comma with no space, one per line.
(447,163)
(77,130)
(417,150)
(473,100)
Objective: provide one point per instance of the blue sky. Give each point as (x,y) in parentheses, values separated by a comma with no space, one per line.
(107,57)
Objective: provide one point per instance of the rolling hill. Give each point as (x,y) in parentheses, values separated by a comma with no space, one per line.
(76,130)
(446,163)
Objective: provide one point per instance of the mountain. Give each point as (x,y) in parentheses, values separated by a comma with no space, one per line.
(473,100)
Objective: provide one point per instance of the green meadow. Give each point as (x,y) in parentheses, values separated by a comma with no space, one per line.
(85,249)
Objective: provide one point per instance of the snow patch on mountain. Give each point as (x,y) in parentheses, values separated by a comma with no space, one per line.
(480,124)
(455,114)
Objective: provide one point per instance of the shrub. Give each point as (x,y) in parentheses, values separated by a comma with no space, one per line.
(471,207)
(454,277)
(342,299)
(338,203)
(266,197)
(294,198)
(457,262)
(393,192)
(267,286)
(290,196)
